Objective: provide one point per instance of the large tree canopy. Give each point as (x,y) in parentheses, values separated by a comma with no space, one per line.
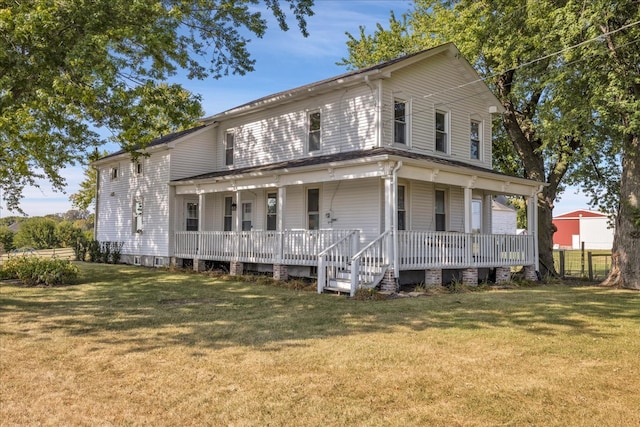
(538,56)
(68,67)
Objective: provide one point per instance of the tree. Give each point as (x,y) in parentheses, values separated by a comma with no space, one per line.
(612,174)
(69,67)
(85,197)
(6,239)
(519,48)
(38,233)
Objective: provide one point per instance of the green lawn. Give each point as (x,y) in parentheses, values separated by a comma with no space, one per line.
(135,346)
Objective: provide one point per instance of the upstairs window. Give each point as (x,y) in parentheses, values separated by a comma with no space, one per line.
(114,173)
(313,208)
(138,168)
(314,131)
(400,122)
(272,211)
(442,137)
(474,138)
(441,213)
(228,148)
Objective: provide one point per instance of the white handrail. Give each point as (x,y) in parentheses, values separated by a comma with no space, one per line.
(336,258)
(373,258)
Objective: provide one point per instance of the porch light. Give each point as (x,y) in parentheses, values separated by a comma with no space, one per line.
(234,206)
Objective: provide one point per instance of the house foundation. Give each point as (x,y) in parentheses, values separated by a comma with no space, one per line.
(389,283)
(433,277)
(470,276)
(236,268)
(530,273)
(503,274)
(280,272)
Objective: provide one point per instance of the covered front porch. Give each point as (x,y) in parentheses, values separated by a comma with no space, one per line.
(342,264)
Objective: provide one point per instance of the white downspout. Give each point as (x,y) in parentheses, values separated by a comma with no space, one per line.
(394,217)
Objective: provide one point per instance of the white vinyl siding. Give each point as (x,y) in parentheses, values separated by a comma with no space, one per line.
(281,133)
(194,155)
(428,83)
(116,216)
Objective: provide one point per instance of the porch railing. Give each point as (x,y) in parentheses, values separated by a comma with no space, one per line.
(427,249)
(337,258)
(291,247)
(368,265)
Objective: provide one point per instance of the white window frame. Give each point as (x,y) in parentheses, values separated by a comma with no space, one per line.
(191,215)
(476,221)
(312,132)
(435,208)
(310,212)
(402,209)
(114,172)
(138,168)
(446,131)
(138,211)
(229,151)
(404,122)
(472,122)
(273,214)
(227,213)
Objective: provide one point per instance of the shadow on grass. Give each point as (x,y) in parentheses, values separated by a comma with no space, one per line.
(142,309)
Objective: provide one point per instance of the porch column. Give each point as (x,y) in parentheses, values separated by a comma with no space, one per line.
(201,210)
(467,209)
(236,267)
(487,215)
(280,271)
(532,227)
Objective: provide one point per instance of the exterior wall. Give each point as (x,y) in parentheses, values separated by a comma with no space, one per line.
(566,229)
(503,222)
(194,155)
(280,134)
(420,85)
(116,204)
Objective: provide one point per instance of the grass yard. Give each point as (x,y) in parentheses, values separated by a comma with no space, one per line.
(135,346)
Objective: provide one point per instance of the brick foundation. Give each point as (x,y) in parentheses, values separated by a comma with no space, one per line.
(470,276)
(433,277)
(198,265)
(280,272)
(503,274)
(236,268)
(389,282)
(530,273)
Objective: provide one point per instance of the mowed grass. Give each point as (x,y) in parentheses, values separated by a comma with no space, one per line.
(135,346)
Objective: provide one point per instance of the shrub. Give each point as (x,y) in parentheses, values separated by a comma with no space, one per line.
(35,271)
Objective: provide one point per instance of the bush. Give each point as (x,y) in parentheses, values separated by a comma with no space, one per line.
(35,271)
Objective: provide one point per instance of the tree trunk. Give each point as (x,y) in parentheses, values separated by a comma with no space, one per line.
(625,257)
(545,234)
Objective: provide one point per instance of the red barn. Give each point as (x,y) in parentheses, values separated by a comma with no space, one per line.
(579,226)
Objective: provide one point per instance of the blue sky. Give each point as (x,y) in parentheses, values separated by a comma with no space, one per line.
(283,61)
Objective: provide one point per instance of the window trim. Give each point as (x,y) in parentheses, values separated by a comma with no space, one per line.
(274,214)
(309,212)
(446,131)
(404,122)
(114,173)
(474,121)
(138,168)
(229,151)
(138,215)
(404,209)
(444,207)
(312,132)
(227,213)
(188,217)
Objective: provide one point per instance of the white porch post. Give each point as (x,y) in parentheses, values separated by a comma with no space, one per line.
(280,210)
(467,209)
(532,226)
(487,215)
(236,267)
(201,211)
(172,223)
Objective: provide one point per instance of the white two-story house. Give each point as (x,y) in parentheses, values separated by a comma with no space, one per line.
(380,175)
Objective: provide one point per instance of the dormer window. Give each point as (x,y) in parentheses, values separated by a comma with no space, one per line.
(399,122)
(314,131)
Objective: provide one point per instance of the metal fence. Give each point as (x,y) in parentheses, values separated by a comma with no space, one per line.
(591,264)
